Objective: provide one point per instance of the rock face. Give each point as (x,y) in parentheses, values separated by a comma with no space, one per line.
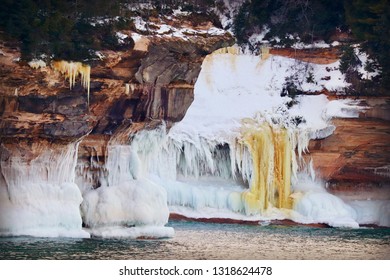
(130,86)
(319,56)
(139,87)
(152,82)
(354,160)
(136,85)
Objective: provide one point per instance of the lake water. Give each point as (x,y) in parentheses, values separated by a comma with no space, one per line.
(213,241)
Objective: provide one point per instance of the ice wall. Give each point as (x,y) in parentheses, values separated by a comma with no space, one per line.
(38,196)
(132,208)
(371,211)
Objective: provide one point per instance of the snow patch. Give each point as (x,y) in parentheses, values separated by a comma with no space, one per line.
(255,38)
(364,66)
(37,63)
(162,28)
(316,45)
(140,24)
(121,37)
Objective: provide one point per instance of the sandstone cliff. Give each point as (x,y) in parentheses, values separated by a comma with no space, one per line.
(151,81)
(354,160)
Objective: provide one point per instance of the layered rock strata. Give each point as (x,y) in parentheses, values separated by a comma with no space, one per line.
(354,160)
(151,82)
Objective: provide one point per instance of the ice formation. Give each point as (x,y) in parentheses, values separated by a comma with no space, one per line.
(236,154)
(39,197)
(312,204)
(239,148)
(127,204)
(372,211)
(71,70)
(271,168)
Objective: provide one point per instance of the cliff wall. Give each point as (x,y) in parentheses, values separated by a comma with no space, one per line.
(153,81)
(354,160)
(150,82)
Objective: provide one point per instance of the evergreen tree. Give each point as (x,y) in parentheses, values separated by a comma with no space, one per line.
(370,23)
(349,60)
(308,19)
(59,28)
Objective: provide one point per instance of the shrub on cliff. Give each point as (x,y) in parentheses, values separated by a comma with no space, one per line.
(370,23)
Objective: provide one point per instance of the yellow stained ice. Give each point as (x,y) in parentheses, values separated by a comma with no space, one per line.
(264,52)
(71,70)
(127,89)
(271,153)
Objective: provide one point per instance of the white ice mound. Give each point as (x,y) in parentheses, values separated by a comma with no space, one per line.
(372,211)
(121,207)
(322,207)
(39,197)
(42,210)
(312,204)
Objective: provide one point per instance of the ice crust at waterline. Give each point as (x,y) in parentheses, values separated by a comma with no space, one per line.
(205,164)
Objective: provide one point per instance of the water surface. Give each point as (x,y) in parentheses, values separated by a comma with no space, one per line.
(213,241)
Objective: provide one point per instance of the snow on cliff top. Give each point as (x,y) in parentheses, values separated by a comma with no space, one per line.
(168,27)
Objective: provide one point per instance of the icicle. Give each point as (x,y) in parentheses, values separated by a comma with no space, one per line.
(311,170)
(71,70)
